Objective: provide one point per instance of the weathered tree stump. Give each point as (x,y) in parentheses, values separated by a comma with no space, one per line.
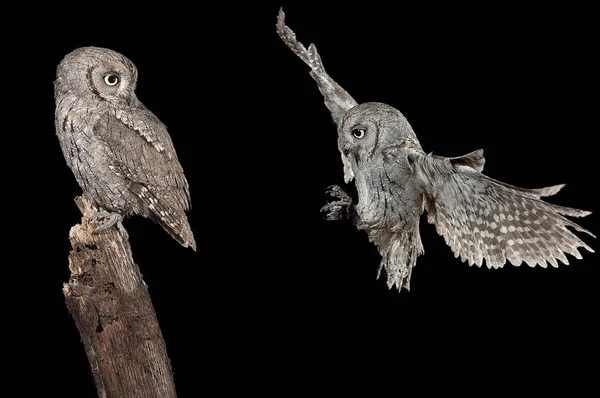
(110,304)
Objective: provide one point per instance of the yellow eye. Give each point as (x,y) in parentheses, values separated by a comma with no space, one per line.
(111,80)
(359,133)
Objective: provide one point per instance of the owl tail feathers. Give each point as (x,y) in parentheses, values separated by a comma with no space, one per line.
(178,228)
(399,256)
(185,237)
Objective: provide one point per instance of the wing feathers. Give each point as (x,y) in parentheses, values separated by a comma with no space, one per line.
(337,100)
(153,176)
(484,219)
(474,160)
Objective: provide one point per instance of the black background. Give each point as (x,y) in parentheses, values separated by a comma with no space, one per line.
(277,299)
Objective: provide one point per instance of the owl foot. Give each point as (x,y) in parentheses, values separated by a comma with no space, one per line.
(338,209)
(111,219)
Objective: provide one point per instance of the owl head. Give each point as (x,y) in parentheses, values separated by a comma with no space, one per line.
(366,130)
(100,71)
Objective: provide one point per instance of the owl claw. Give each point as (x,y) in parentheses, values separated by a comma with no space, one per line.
(338,209)
(337,192)
(112,219)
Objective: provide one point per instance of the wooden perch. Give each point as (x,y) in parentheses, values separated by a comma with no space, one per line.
(109,301)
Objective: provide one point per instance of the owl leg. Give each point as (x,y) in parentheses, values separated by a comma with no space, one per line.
(341,209)
(111,219)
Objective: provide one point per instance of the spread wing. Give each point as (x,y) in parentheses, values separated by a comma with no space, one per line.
(481,218)
(337,100)
(143,154)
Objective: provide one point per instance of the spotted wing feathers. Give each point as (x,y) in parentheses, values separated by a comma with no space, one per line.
(484,219)
(142,154)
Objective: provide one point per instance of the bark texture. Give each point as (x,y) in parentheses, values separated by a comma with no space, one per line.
(110,304)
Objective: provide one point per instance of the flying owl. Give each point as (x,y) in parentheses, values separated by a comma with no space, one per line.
(120,152)
(480,218)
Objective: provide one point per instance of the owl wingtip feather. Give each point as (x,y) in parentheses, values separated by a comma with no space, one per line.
(191,245)
(281,18)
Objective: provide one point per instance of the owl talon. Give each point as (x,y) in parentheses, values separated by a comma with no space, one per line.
(338,209)
(112,219)
(337,192)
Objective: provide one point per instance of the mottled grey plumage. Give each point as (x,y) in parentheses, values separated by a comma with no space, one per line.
(121,154)
(479,218)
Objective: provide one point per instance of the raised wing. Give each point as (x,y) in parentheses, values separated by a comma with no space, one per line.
(337,100)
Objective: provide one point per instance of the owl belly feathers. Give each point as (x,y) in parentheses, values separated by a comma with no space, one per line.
(388,209)
(93,161)
(387,198)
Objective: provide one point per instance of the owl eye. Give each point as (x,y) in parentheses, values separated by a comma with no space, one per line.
(111,79)
(359,133)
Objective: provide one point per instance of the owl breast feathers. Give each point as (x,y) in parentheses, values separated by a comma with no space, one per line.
(120,153)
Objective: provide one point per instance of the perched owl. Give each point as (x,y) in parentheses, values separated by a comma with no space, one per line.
(480,218)
(121,154)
